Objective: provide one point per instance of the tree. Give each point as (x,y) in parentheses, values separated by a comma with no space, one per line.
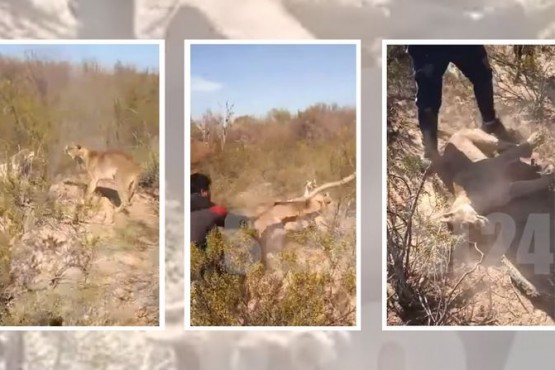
(225,122)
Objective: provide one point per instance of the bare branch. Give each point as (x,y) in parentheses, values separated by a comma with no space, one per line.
(225,122)
(319,189)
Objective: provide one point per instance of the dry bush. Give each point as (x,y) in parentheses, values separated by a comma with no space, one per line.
(296,296)
(279,153)
(311,144)
(47,104)
(526,86)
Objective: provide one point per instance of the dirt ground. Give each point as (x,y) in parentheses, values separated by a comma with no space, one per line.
(88,266)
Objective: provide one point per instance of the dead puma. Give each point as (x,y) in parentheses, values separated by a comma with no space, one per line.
(482,182)
(269,223)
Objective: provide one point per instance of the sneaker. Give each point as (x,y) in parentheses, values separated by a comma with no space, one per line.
(497,129)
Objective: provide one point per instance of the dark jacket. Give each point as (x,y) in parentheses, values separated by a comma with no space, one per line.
(205,216)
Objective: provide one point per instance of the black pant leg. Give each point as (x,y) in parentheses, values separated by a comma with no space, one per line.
(474,64)
(428,70)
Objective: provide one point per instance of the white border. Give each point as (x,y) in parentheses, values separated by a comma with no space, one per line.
(386,327)
(162,179)
(187,110)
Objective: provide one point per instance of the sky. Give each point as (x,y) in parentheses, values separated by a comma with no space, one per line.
(258,78)
(141,56)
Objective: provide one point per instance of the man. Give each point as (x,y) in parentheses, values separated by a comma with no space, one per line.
(205,215)
(429,64)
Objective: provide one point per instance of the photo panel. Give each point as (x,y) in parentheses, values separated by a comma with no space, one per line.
(468,185)
(81,180)
(272,188)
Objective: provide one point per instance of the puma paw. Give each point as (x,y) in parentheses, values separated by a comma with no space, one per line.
(536,139)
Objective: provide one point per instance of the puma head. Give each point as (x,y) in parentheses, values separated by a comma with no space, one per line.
(463,219)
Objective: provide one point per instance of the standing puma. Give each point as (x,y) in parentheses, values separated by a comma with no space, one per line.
(111,165)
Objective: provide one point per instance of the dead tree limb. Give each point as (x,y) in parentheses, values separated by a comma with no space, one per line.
(320,189)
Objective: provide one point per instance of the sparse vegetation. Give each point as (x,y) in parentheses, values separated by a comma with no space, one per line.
(55,246)
(312,281)
(434,277)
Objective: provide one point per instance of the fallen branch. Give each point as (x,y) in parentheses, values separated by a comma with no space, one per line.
(519,280)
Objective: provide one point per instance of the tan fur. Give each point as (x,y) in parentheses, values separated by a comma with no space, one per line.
(481,181)
(110,165)
(282,213)
(270,224)
(311,204)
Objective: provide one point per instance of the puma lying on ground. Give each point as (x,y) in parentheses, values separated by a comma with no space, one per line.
(482,181)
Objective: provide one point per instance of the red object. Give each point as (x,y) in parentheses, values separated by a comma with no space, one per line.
(222,211)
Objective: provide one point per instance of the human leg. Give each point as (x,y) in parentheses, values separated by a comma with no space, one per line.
(428,75)
(474,63)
